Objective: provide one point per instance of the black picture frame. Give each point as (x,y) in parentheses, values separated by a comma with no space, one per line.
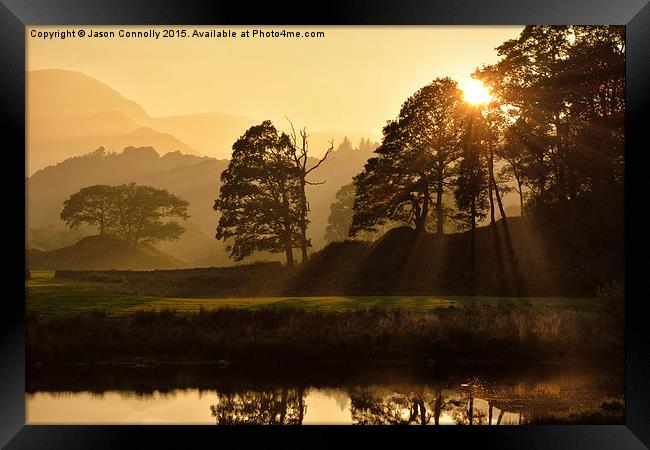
(15,15)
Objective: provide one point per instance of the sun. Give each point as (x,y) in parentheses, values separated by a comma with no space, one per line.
(475,92)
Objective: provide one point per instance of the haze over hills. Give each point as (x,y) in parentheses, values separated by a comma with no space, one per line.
(70,113)
(82,132)
(193,178)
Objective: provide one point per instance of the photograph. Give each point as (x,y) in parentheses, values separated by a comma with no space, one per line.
(325,225)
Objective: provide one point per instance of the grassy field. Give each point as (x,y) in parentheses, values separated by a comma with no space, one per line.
(72,321)
(48,297)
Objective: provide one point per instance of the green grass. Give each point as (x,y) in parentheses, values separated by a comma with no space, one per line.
(48,297)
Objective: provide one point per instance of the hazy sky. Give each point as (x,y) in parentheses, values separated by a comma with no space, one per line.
(353,79)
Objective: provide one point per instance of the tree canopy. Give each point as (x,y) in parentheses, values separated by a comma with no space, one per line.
(260,195)
(262,199)
(414,161)
(552,132)
(565,90)
(130,211)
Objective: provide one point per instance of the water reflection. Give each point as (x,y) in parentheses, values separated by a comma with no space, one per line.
(461,401)
(272,407)
(423,406)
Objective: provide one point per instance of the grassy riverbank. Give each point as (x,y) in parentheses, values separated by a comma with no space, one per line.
(74,321)
(48,297)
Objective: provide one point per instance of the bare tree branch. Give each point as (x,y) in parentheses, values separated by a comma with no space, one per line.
(322,160)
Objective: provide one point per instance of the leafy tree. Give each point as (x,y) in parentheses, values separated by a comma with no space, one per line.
(260,196)
(130,211)
(564,87)
(529,78)
(515,168)
(415,162)
(471,186)
(139,211)
(340,218)
(493,125)
(596,66)
(92,205)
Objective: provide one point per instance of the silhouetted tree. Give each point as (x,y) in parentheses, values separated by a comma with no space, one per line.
(139,211)
(130,211)
(260,197)
(471,186)
(91,205)
(300,156)
(596,93)
(493,127)
(564,87)
(340,218)
(516,164)
(529,77)
(414,162)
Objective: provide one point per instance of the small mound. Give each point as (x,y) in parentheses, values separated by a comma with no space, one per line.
(331,270)
(102,252)
(520,258)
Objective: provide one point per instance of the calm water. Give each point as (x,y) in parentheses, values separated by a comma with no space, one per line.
(395,395)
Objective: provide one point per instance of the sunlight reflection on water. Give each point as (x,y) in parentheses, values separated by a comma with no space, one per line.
(470,403)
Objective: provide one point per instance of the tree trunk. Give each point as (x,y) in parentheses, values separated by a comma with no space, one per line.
(470,413)
(439,212)
(420,226)
(303,248)
(521,198)
(303,221)
(491,197)
(437,408)
(288,250)
(288,242)
(301,405)
(498,196)
(283,406)
(423,413)
(495,187)
(473,214)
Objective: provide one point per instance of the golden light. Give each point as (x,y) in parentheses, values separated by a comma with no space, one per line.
(475,92)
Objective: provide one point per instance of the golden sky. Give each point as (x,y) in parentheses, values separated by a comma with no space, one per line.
(353,79)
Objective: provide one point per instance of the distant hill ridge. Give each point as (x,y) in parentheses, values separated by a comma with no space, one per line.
(69,113)
(193,178)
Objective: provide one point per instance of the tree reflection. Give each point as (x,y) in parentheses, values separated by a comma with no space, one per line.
(411,406)
(283,406)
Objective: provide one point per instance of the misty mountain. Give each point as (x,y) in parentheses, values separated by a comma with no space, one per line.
(193,178)
(212,133)
(70,113)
